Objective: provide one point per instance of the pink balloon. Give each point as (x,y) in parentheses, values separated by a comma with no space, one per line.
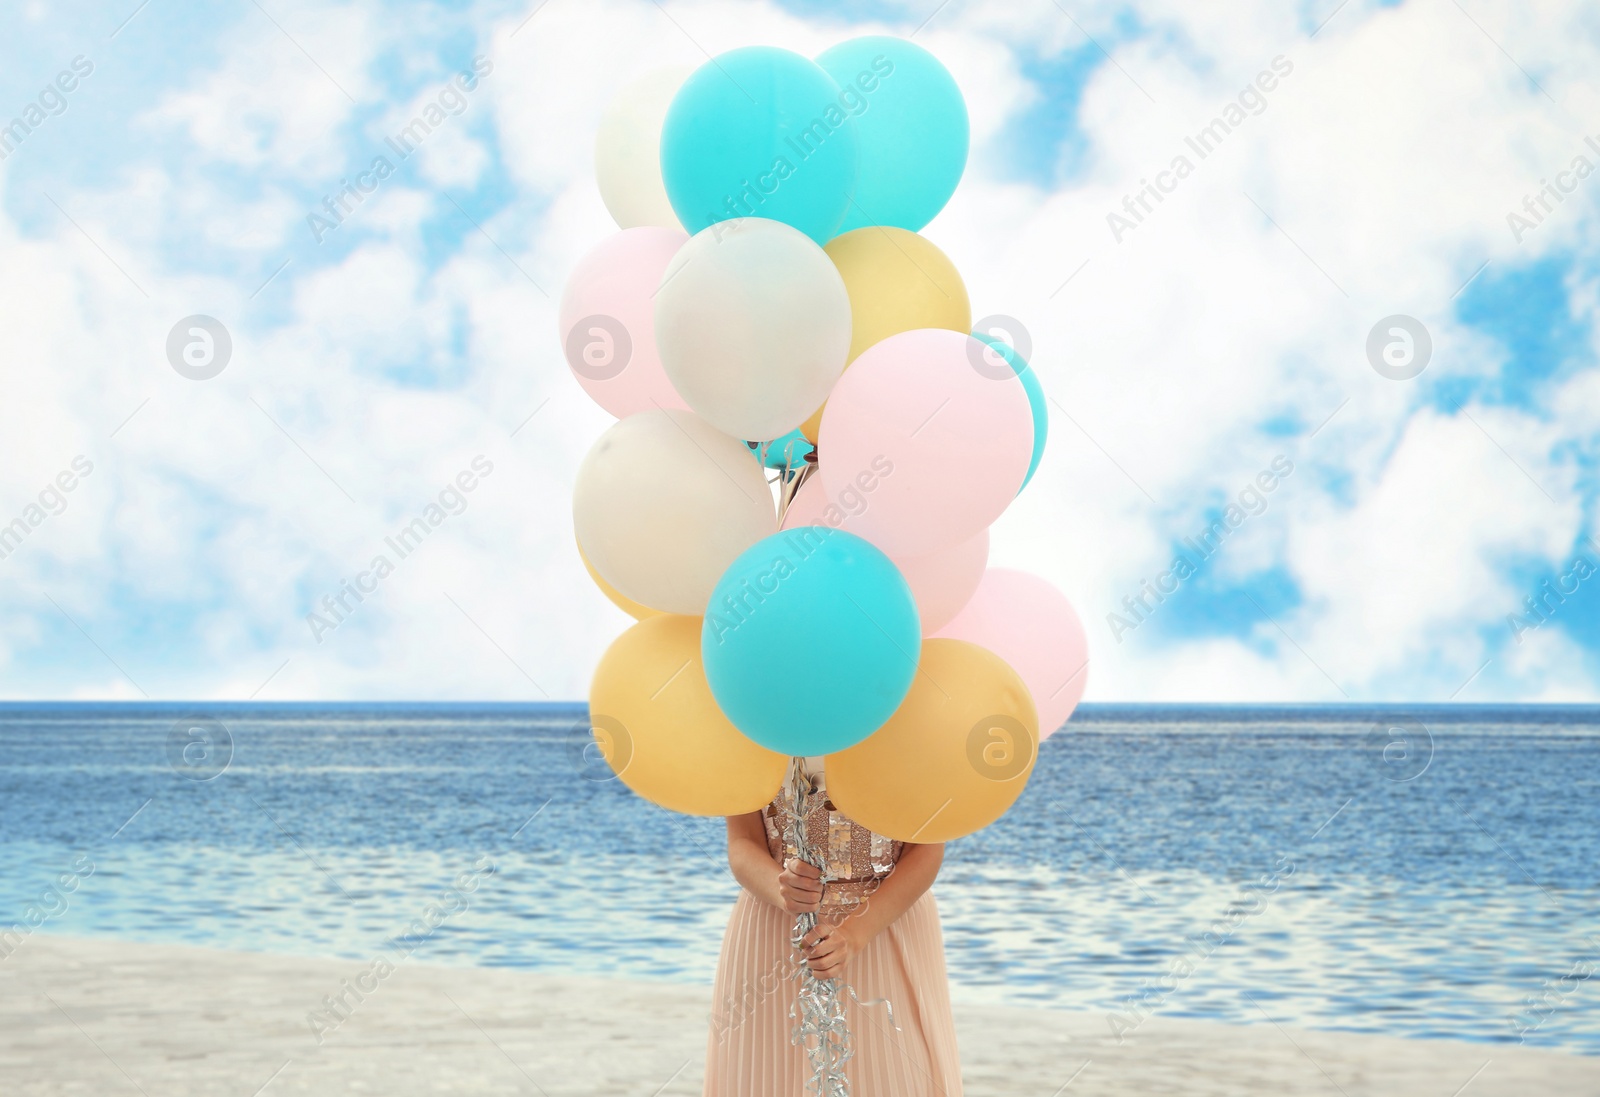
(1031,625)
(944,437)
(941,582)
(812,506)
(607,321)
(945,581)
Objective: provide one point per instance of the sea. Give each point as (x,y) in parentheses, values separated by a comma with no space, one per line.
(1411,871)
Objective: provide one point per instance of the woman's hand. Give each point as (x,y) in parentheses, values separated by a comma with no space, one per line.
(800,885)
(828,947)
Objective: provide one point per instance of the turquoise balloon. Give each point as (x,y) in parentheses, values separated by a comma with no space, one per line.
(912,121)
(811,640)
(760,132)
(1036,399)
(786,452)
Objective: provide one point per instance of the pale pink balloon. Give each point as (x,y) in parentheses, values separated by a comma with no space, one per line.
(947,437)
(812,506)
(944,581)
(607,321)
(1031,625)
(941,582)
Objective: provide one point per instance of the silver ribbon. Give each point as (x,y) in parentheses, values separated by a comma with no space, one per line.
(789,480)
(820,1027)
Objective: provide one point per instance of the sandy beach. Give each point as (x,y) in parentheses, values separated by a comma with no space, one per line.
(105,1017)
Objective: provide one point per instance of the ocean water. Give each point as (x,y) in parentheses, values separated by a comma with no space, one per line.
(1413,872)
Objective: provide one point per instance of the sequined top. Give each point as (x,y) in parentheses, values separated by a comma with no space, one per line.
(856,862)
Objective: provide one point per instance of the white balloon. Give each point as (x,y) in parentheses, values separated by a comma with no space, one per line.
(627,151)
(663,504)
(753,326)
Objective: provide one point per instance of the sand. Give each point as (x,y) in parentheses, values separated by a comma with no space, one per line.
(104,1017)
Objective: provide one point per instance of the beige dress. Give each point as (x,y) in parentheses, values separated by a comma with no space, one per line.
(750,1054)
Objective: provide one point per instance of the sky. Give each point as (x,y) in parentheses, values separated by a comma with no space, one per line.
(1434,538)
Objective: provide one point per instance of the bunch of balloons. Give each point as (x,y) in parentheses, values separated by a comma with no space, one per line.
(770,307)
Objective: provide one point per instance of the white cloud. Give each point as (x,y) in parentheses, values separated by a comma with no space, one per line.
(1388,159)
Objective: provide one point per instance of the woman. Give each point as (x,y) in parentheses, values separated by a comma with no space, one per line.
(877,932)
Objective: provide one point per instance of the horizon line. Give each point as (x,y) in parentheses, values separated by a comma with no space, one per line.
(1085,707)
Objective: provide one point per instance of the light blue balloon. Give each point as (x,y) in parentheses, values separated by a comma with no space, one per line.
(811,640)
(1036,398)
(760,132)
(786,452)
(913,126)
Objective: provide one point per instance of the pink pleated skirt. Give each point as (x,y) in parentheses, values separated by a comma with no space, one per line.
(749,1052)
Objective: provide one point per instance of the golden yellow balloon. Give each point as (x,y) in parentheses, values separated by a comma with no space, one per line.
(661,731)
(897,281)
(955,755)
(637,610)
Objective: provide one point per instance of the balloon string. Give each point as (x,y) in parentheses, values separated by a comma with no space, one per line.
(790,480)
(820,1026)
(888,1006)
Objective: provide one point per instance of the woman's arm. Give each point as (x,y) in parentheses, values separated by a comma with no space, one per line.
(795,887)
(830,946)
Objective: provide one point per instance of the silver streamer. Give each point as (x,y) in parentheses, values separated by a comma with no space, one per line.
(789,481)
(820,1027)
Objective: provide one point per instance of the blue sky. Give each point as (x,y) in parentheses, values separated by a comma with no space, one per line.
(1227,330)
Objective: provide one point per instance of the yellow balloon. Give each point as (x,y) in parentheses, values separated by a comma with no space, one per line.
(897,281)
(660,730)
(636,610)
(954,756)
